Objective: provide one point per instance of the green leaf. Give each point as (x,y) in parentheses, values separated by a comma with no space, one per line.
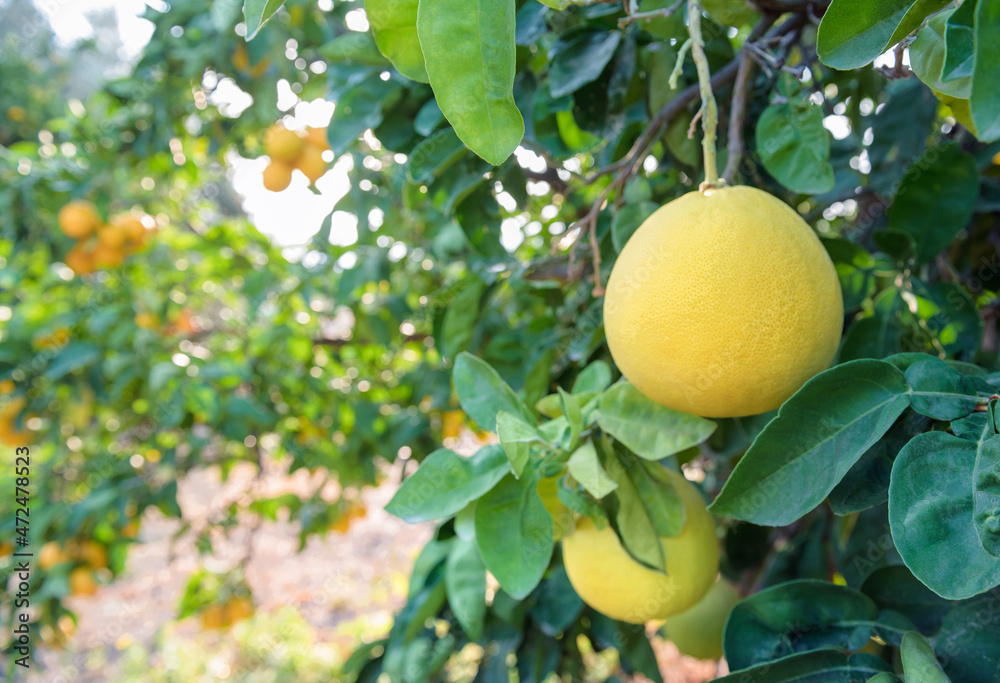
(465,584)
(571,411)
(594,377)
(516,437)
(819,666)
(469,54)
(855,32)
(960,42)
(919,663)
(359,110)
(928,55)
(256,13)
(855,270)
(985,101)
(634,651)
(515,535)
(969,637)
(818,434)
(72,357)
(658,496)
(460,317)
(394,24)
(936,198)
(649,430)
(433,155)
(483,394)
(445,483)
(627,220)
(557,606)
(930,514)
(580,59)
(939,391)
(795,147)
(986,493)
(585,466)
(630,517)
(353,48)
(896,588)
(797,616)
(581,502)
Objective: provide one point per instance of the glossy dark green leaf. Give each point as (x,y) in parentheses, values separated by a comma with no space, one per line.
(967,641)
(986,495)
(469,54)
(819,666)
(628,219)
(658,496)
(571,411)
(483,394)
(936,198)
(465,584)
(515,535)
(960,42)
(649,430)
(557,606)
(797,616)
(919,663)
(634,650)
(928,54)
(855,268)
(256,13)
(631,518)
(866,484)
(896,588)
(358,110)
(939,391)
(818,434)
(445,483)
(537,657)
(394,24)
(984,103)
(579,59)
(795,147)
(855,32)
(433,155)
(930,513)
(581,502)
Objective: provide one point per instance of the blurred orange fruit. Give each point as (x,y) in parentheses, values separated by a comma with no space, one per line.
(78,219)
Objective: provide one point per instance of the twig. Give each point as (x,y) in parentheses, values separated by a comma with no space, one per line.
(661,13)
(737,112)
(675,73)
(709,108)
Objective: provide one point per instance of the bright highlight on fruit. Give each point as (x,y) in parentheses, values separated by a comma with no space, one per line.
(723,304)
(289,150)
(610,581)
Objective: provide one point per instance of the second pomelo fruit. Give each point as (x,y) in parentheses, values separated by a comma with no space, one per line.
(697,632)
(723,304)
(614,584)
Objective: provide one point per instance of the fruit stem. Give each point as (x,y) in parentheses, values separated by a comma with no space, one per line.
(709,109)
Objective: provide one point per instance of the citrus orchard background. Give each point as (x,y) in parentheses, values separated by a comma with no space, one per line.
(484,166)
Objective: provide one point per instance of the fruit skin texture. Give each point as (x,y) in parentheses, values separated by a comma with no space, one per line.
(614,584)
(78,219)
(697,632)
(277,176)
(283,144)
(723,305)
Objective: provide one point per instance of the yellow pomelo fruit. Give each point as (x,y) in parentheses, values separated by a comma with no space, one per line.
(317,138)
(277,176)
(82,582)
(311,163)
(697,632)
(130,225)
(52,554)
(80,260)
(614,584)
(78,219)
(723,304)
(283,144)
(562,516)
(112,236)
(108,256)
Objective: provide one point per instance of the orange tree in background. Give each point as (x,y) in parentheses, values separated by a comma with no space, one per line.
(502,154)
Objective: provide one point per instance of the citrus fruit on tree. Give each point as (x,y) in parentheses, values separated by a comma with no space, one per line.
(130,226)
(697,632)
(723,304)
(214,616)
(80,260)
(112,236)
(277,176)
(51,554)
(82,582)
(317,137)
(283,144)
(311,163)
(78,219)
(237,609)
(610,581)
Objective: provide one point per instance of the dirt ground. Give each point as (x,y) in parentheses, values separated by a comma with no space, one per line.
(357,575)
